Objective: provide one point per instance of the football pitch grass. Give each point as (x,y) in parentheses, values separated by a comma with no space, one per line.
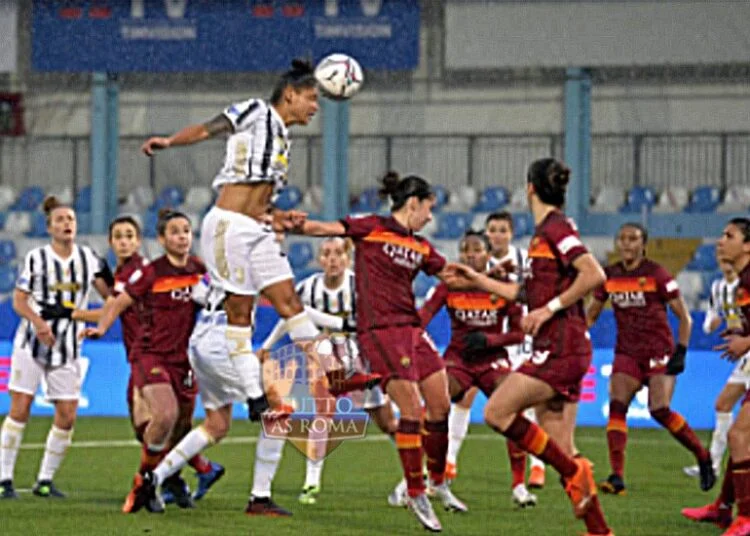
(358,477)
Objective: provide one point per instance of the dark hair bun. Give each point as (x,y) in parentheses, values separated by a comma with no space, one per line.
(559,175)
(164,212)
(302,66)
(50,203)
(390,182)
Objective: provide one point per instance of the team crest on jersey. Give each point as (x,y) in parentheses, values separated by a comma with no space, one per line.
(642,281)
(405,361)
(156,371)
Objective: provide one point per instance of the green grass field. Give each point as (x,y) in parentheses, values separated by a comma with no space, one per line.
(358,477)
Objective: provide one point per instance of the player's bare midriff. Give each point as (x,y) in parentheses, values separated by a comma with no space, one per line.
(252,200)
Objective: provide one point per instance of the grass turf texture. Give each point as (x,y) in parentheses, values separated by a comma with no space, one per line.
(357,479)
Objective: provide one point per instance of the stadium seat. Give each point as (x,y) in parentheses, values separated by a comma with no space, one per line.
(478,221)
(704,199)
(422,284)
(304,273)
(462,200)
(691,286)
(441,197)
(672,199)
(140,198)
(150,219)
(197,198)
(29,199)
(84,222)
(7,251)
(736,199)
(452,225)
(491,199)
(523,224)
(518,201)
(38,228)
(170,197)
(300,254)
(3,217)
(7,278)
(65,196)
(312,199)
(367,201)
(83,200)
(639,197)
(7,196)
(288,198)
(704,259)
(111,259)
(609,199)
(18,222)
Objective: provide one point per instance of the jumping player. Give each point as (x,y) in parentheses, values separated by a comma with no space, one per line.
(51,297)
(645,353)
(561,273)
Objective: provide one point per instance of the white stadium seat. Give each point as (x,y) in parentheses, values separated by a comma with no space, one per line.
(518,200)
(18,222)
(197,199)
(737,199)
(7,196)
(609,199)
(672,199)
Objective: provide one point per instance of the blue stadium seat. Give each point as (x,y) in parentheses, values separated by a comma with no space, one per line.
(523,224)
(38,225)
(3,217)
(84,222)
(111,259)
(491,199)
(300,254)
(7,278)
(368,201)
(29,199)
(304,273)
(170,196)
(708,279)
(638,198)
(704,199)
(452,225)
(288,198)
(441,196)
(83,200)
(422,284)
(7,251)
(150,219)
(704,259)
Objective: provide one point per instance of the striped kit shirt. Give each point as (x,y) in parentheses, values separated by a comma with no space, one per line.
(519,258)
(258,149)
(52,280)
(340,302)
(722,303)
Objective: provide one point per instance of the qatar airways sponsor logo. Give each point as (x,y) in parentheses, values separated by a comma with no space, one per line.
(629,299)
(477,317)
(403,256)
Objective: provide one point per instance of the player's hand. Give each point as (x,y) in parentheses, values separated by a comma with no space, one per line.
(44,334)
(676,363)
(55,312)
(459,276)
(532,322)
(475,341)
(154,144)
(349,327)
(734,346)
(263,355)
(91,333)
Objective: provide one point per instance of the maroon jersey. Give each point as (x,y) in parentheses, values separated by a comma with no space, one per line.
(133,268)
(475,311)
(554,247)
(742,299)
(166,313)
(639,299)
(387,259)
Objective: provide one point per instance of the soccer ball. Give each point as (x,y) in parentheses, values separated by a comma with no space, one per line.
(339,76)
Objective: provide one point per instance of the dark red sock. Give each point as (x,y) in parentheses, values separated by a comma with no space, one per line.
(617,436)
(150,458)
(517,457)
(741,478)
(533,439)
(409,445)
(594,518)
(726,496)
(681,431)
(200,463)
(436,448)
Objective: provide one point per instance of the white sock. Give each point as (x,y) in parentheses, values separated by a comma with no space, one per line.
(194,443)
(300,327)
(10,441)
(530,414)
(458,427)
(719,437)
(58,442)
(317,444)
(267,458)
(245,362)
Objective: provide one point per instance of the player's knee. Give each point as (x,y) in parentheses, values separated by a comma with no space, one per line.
(660,414)
(722,405)
(496,420)
(737,439)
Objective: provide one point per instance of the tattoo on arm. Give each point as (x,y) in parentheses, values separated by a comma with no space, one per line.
(218,125)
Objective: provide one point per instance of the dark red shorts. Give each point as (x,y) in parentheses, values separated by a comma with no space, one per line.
(485,374)
(564,374)
(400,352)
(639,368)
(152,370)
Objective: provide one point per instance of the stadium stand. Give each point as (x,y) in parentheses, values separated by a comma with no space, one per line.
(609,199)
(704,199)
(491,199)
(639,197)
(672,199)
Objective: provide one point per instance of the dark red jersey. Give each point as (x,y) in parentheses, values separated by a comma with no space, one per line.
(475,311)
(133,268)
(742,299)
(166,313)
(639,299)
(554,247)
(387,259)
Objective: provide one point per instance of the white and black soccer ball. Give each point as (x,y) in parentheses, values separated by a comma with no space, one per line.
(339,76)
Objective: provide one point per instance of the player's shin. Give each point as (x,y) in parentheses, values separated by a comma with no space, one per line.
(245,362)
(191,445)
(409,445)
(617,436)
(533,439)
(58,441)
(436,448)
(719,436)
(267,458)
(10,441)
(458,427)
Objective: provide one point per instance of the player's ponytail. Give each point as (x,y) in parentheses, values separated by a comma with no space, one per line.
(165,215)
(300,75)
(550,178)
(50,204)
(400,190)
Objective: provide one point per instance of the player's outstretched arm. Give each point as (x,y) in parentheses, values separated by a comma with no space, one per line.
(189,135)
(680,310)
(320,228)
(462,277)
(110,312)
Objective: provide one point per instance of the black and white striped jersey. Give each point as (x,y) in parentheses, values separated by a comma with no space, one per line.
(258,148)
(519,258)
(52,280)
(341,301)
(722,304)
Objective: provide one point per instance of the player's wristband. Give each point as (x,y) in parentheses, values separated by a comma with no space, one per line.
(555,305)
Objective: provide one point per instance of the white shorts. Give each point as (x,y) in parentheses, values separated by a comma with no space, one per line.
(741,372)
(374,398)
(241,253)
(352,361)
(62,382)
(214,371)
